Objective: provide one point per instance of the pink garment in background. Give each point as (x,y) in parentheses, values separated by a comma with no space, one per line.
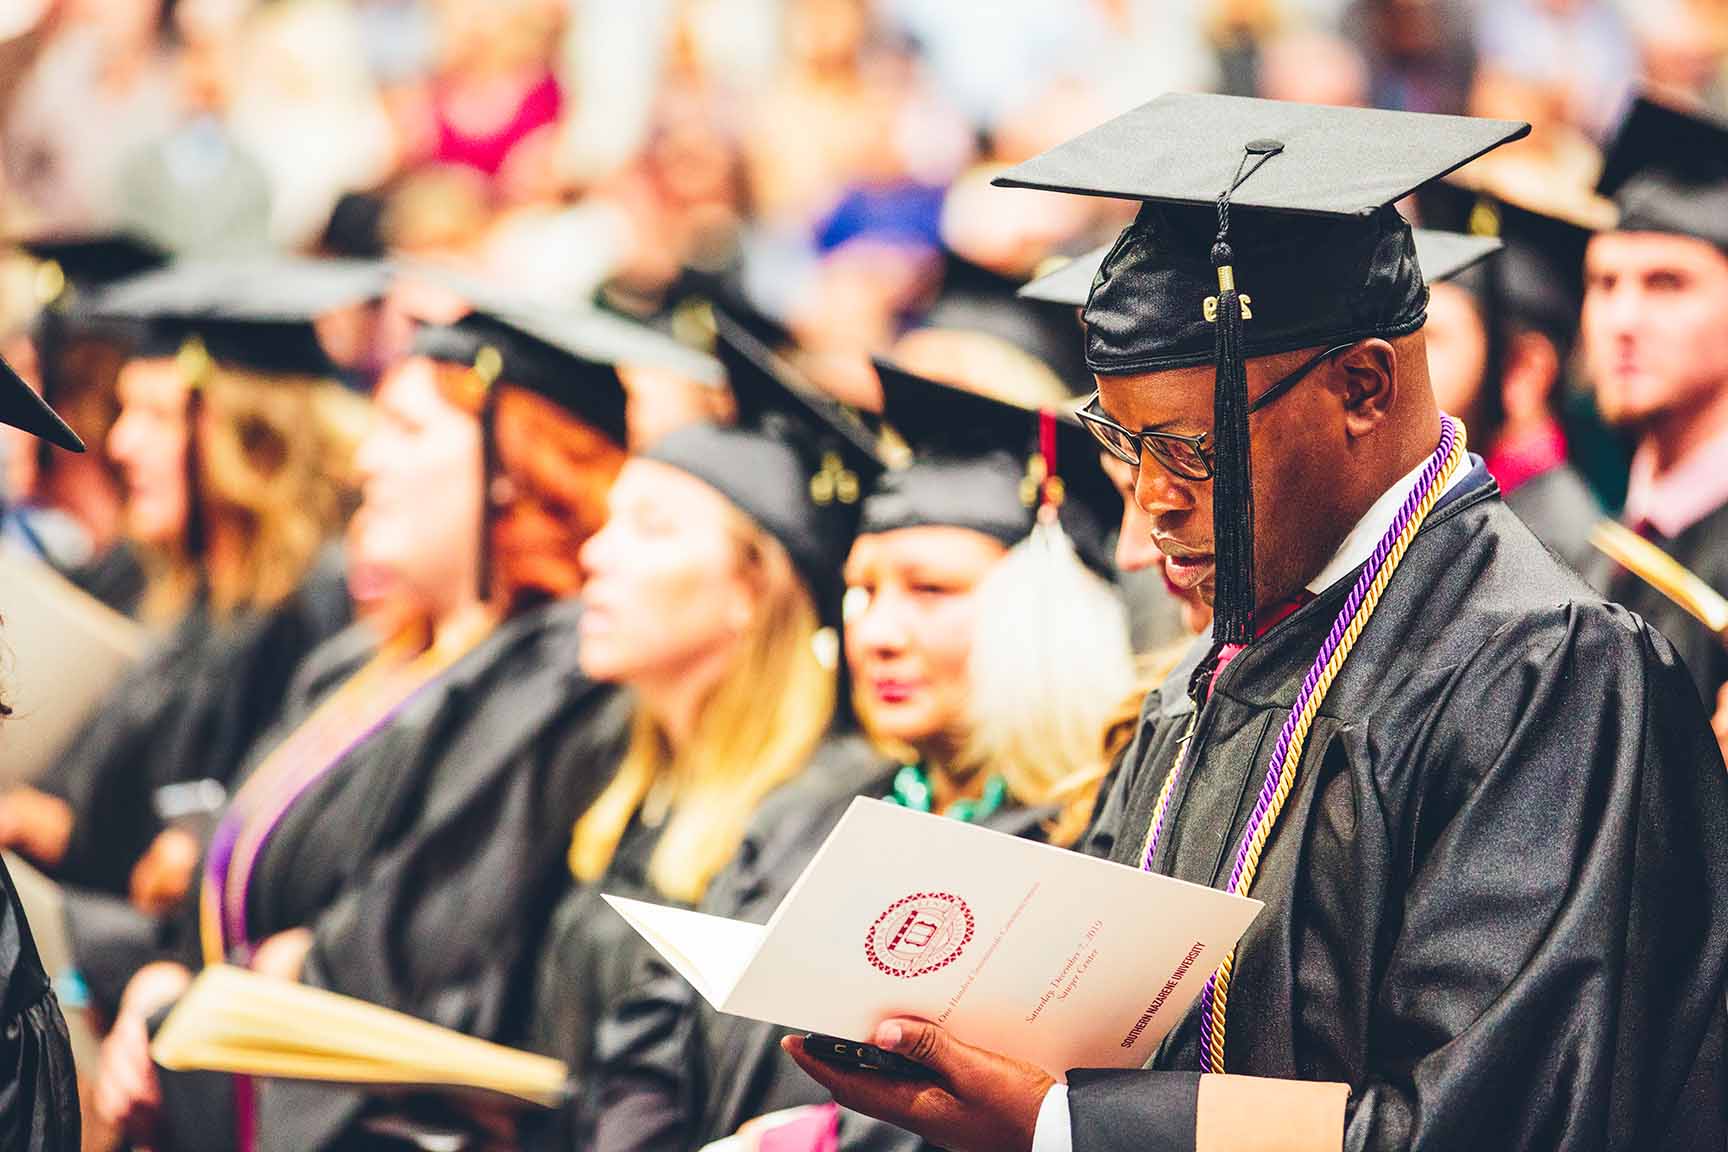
(540,107)
(816,1130)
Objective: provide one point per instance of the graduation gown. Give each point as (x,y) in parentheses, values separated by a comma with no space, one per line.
(1704,549)
(38,1088)
(189,711)
(672,1073)
(1495,898)
(1557,506)
(427,862)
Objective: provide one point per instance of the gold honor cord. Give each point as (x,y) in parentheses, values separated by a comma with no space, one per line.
(1663,573)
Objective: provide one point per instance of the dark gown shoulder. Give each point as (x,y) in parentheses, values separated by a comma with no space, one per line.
(38,1087)
(192,710)
(1559,508)
(426,862)
(1704,549)
(1487,898)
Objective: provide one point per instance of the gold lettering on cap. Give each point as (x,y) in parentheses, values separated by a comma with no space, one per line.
(1210,308)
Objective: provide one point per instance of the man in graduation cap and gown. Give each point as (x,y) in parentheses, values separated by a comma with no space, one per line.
(1485,814)
(38,1085)
(1655,329)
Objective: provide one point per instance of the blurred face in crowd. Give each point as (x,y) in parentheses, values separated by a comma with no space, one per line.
(17,448)
(911,612)
(149,442)
(1136,552)
(1655,325)
(420,468)
(121,23)
(665,594)
(1457,351)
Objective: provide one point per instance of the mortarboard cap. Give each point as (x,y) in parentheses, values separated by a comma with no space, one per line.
(1538,279)
(796,461)
(256,315)
(981,463)
(569,357)
(1441,254)
(1667,171)
(87,261)
(1253,207)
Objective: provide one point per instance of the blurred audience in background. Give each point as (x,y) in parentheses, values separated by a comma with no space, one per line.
(820,165)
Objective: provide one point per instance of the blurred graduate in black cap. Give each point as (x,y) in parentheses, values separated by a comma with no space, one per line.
(713,595)
(402,836)
(38,1084)
(1655,330)
(988,651)
(1491,825)
(69,510)
(236,449)
(1499,339)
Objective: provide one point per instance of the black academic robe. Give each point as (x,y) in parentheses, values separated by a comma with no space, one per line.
(38,1088)
(116,578)
(427,864)
(1704,549)
(672,1073)
(191,710)
(1557,506)
(1497,899)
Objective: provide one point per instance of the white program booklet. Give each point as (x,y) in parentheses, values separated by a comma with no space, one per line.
(1059,959)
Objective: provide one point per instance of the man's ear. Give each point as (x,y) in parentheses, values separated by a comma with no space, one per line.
(1365,379)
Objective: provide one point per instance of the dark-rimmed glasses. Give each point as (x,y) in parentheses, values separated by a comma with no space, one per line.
(1189,457)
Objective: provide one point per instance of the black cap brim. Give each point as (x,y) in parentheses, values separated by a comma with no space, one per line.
(23,409)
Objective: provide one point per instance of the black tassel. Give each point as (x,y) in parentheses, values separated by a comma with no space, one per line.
(1232,480)
(488,367)
(489,473)
(197,371)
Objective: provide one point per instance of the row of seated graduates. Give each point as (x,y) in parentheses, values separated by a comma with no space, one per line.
(586,659)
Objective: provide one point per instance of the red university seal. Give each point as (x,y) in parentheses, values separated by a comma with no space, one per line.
(919,934)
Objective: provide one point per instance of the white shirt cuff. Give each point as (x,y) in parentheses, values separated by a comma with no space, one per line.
(1053,1132)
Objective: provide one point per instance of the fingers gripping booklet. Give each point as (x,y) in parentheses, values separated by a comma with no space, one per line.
(1059,959)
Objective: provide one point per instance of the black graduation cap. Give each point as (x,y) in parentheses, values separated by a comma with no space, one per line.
(1667,171)
(256,315)
(974,298)
(569,357)
(69,265)
(796,461)
(982,463)
(1253,208)
(1441,254)
(1538,279)
(87,260)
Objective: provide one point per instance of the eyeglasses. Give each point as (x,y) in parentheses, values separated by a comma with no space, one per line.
(1189,457)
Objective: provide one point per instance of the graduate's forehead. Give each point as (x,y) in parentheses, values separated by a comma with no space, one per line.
(1149,399)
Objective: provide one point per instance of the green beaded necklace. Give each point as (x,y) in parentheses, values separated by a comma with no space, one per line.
(912,790)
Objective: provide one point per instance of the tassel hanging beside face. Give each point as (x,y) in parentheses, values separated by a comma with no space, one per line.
(1232,479)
